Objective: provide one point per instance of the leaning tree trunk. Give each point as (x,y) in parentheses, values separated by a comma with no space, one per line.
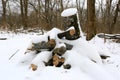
(91,29)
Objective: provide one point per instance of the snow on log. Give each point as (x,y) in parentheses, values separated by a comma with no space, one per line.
(69,12)
(64,52)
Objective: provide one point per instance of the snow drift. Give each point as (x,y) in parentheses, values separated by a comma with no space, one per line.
(84,59)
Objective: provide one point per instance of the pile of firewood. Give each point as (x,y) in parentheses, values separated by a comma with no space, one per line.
(57,59)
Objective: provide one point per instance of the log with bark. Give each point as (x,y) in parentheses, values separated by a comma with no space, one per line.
(109,36)
(3,38)
(43,45)
(57,59)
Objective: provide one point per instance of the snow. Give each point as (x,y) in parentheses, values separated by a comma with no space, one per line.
(69,12)
(82,59)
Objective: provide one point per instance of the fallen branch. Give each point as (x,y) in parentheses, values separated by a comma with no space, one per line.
(109,36)
(13,54)
(3,38)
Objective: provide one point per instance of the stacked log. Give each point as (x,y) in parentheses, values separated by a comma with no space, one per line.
(57,58)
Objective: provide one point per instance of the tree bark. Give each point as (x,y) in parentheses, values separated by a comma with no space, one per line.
(61,5)
(108,21)
(115,18)
(47,11)
(4,11)
(91,28)
(24,12)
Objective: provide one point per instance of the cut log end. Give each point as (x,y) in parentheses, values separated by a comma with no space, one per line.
(33,67)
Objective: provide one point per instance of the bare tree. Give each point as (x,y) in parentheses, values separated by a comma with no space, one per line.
(24,13)
(115,17)
(81,11)
(91,28)
(36,21)
(108,14)
(4,2)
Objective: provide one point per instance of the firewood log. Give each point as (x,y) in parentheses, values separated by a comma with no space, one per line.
(34,67)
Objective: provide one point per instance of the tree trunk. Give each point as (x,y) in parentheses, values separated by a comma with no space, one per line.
(24,12)
(39,13)
(108,21)
(47,11)
(115,18)
(61,4)
(59,17)
(4,11)
(91,29)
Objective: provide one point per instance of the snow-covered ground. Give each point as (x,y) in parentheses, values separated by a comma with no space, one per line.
(80,58)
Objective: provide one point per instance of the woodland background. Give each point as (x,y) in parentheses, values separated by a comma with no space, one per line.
(95,16)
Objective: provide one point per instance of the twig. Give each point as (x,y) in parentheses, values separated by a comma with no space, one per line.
(13,54)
